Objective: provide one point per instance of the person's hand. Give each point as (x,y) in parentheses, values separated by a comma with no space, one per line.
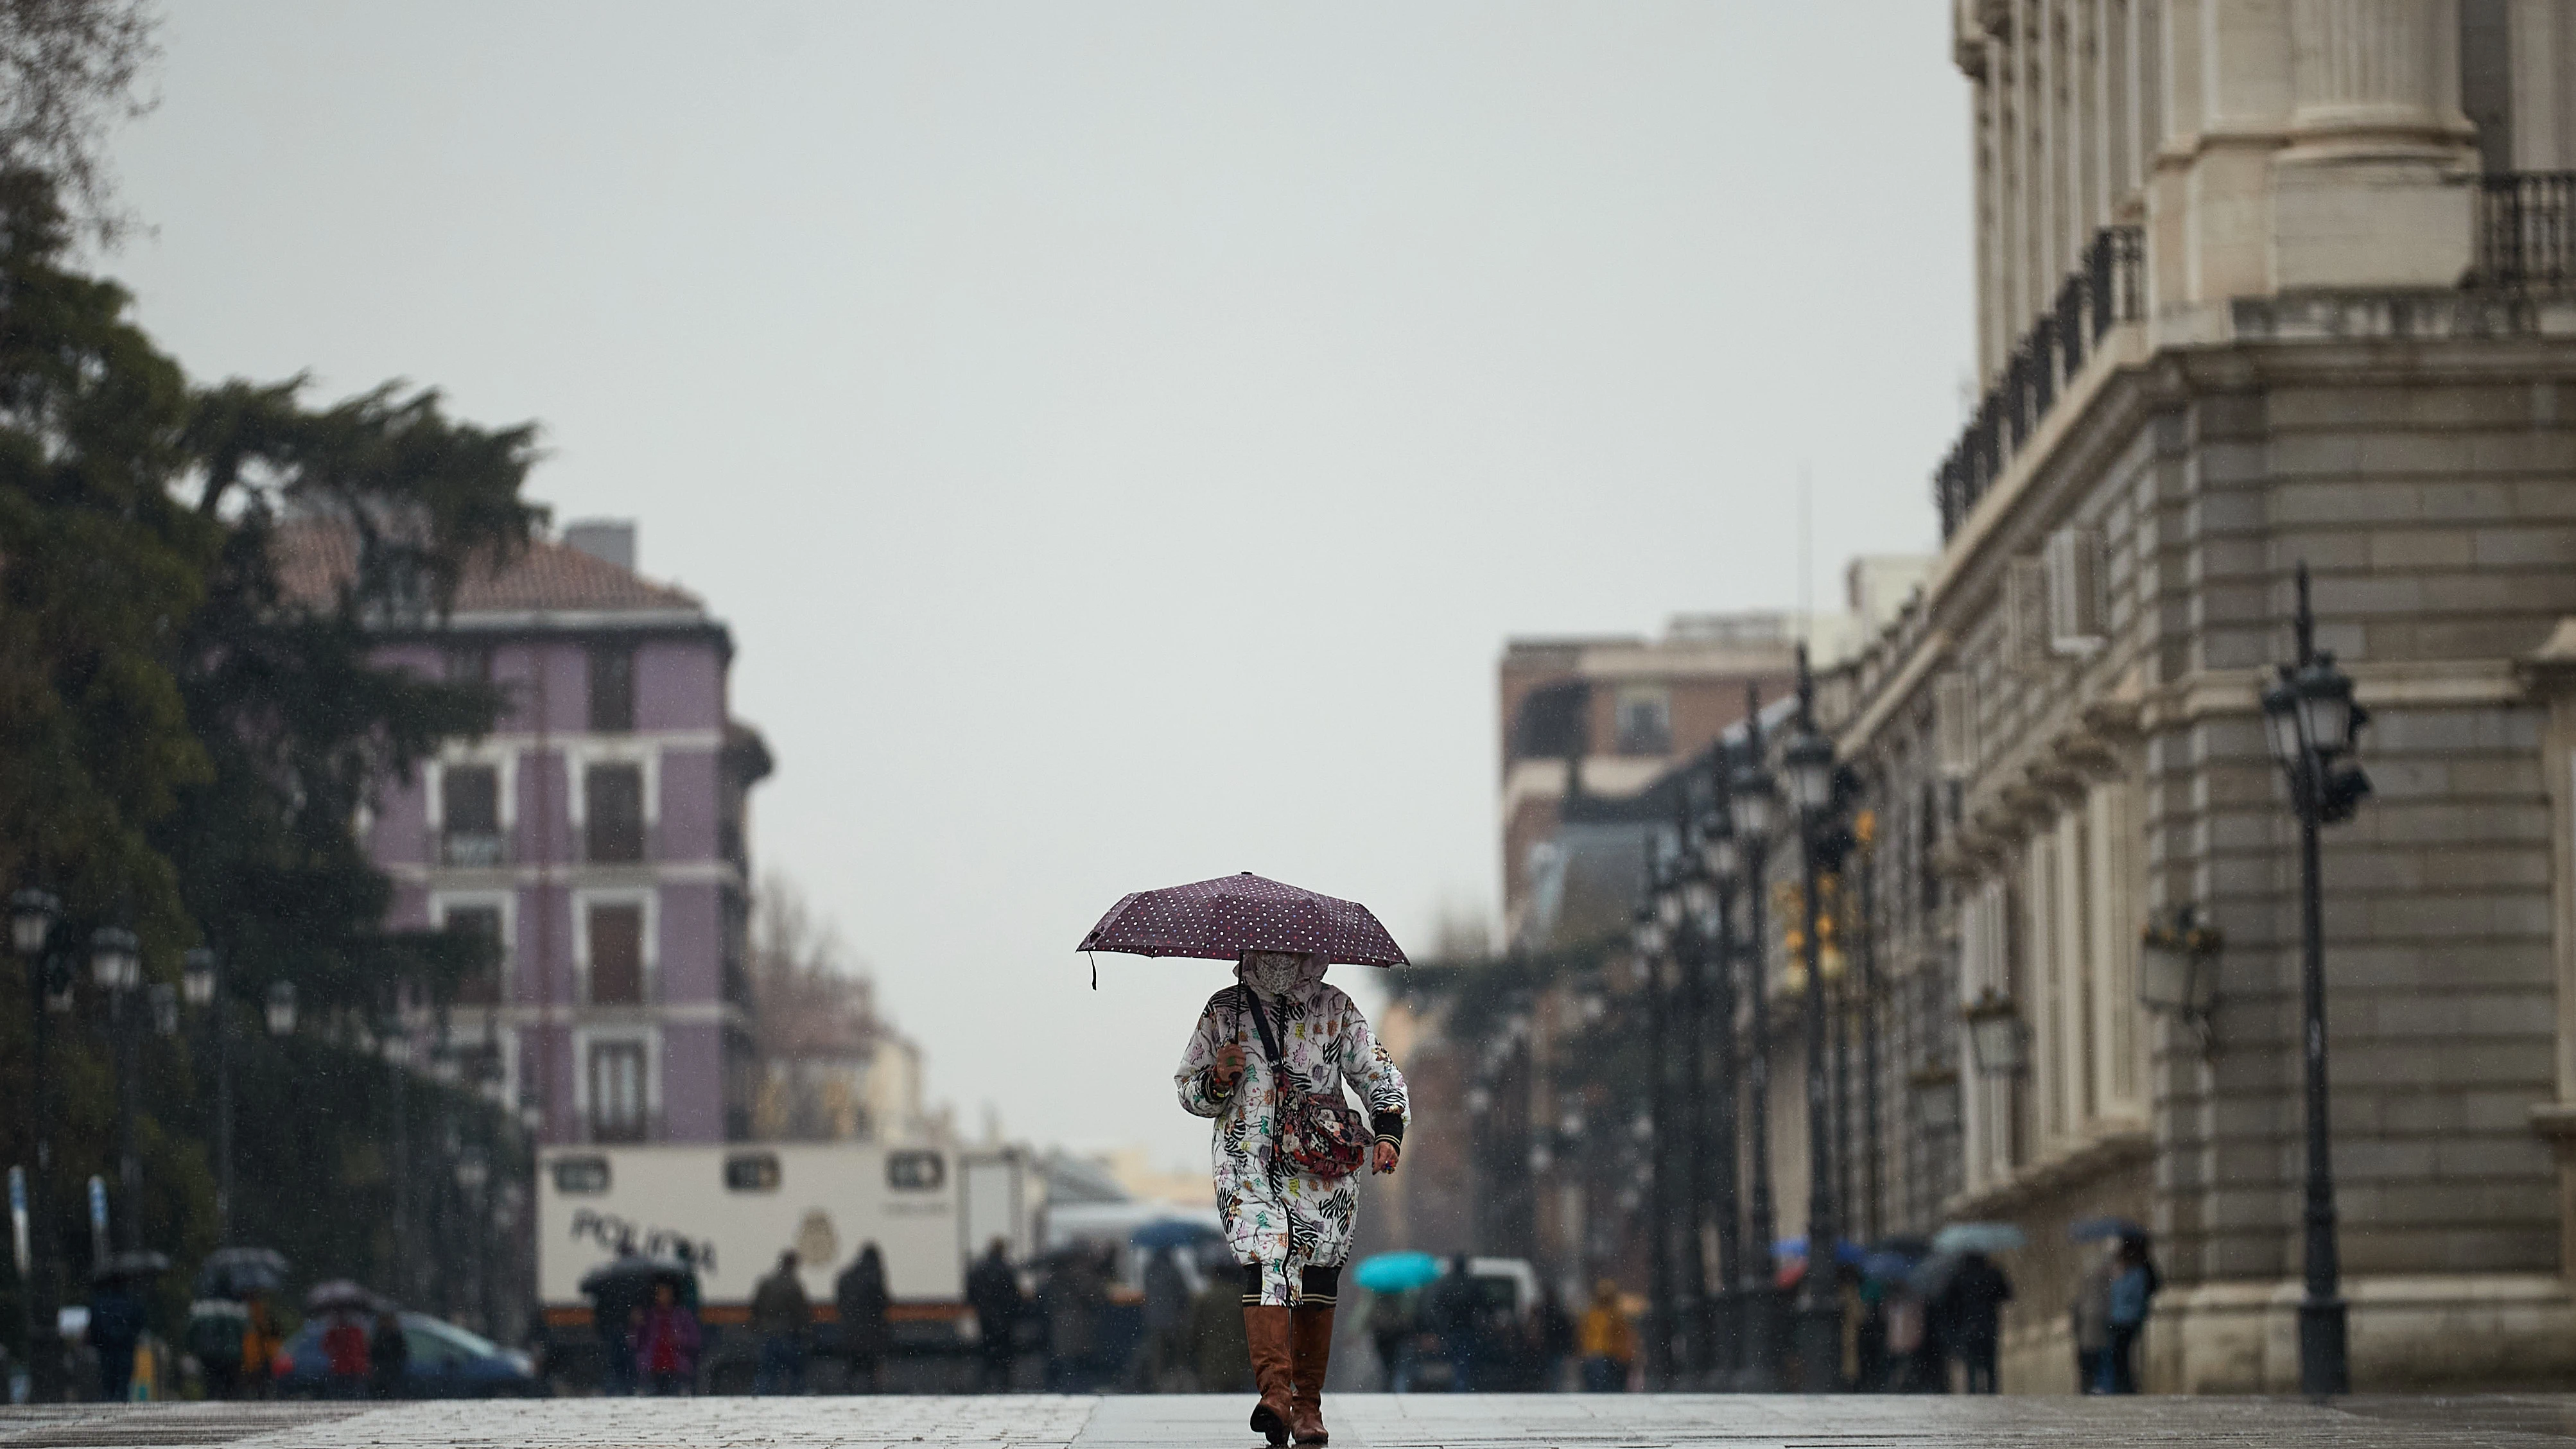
(1229,1066)
(1385,1158)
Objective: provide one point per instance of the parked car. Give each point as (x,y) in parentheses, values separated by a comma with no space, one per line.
(447,1362)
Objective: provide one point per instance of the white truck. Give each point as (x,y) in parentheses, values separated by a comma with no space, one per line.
(730,1210)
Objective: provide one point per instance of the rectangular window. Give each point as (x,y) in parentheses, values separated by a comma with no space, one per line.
(612,688)
(613,796)
(1643,722)
(469,664)
(480,986)
(469,803)
(616,955)
(617,1092)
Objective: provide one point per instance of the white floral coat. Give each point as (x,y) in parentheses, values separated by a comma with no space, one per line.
(1286,1221)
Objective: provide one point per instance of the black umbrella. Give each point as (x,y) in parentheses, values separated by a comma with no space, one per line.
(130,1264)
(339,1296)
(622,1282)
(239,1272)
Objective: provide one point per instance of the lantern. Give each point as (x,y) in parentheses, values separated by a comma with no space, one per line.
(1749,802)
(2178,964)
(197,976)
(1995,1036)
(115,958)
(281,1008)
(31,919)
(1808,763)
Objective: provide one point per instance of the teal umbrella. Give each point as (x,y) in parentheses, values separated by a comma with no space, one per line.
(1396,1272)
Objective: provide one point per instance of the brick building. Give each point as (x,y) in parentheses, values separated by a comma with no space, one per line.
(599,833)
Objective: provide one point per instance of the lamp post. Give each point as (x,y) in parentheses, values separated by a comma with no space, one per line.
(1685,915)
(33,913)
(202,977)
(116,967)
(1873,1151)
(1807,761)
(1649,937)
(1749,801)
(2314,727)
(1722,865)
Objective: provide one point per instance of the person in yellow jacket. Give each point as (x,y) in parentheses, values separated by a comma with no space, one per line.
(261,1344)
(1608,1341)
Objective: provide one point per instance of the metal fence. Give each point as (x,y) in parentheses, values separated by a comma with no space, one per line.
(2526,230)
(2110,288)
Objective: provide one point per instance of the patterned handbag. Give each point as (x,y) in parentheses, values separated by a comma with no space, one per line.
(1320,1134)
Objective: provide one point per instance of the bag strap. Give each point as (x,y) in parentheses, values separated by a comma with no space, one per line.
(1269,1043)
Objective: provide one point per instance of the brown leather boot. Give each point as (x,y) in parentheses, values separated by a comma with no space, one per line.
(1266,1328)
(1311,1345)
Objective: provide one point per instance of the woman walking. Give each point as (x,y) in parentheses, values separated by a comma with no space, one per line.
(1266,1051)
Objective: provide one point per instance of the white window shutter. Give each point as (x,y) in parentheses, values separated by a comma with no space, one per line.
(1954,726)
(2074,566)
(2026,644)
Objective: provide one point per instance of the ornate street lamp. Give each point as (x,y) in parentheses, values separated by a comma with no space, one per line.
(1749,802)
(1996,1040)
(1651,937)
(33,913)
(116,967)
(2314,727)
(281,1008)
(197,976)
(1808,763)
(2178,970)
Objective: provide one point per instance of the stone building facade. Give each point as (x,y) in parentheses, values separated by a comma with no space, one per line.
(2261,283)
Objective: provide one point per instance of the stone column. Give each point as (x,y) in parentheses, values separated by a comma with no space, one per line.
(2375,187)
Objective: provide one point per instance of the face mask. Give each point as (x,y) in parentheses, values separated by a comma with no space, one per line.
(1271,972)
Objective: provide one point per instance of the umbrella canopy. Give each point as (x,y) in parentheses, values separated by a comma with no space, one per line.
(2094,1230)
(1164,1233)
(1223,918)
(130,1264)
(621,1283)
(339,1296)
(1889,1267)
(1931,1277)
(1397,1272)
(240,1272)
(1979,1238)
(1845,1251)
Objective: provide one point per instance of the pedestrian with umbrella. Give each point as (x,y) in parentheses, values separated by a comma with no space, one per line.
(1267,1063)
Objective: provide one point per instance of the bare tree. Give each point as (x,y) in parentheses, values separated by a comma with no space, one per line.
(69,69)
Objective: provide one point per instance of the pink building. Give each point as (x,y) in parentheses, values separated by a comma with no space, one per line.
(599,832)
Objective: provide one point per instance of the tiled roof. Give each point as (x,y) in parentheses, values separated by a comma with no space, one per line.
(315,556)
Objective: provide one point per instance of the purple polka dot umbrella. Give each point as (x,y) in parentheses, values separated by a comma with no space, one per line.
(1222,918)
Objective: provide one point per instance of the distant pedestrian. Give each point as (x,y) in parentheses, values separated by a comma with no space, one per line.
(2089,1318)
(993,1291)
(1390,1329)
(1220,1359)
(115,1328)
(1554,1337)
(859,1298)
(1608,1341)
(344,1357)
(388,1357)
(666,1342)
(1973,1320)
(1269,1053)
(1167,1318)
(1072,1298)
(2134,1282)
(1456,1310)
(261,1344)
(780,1315)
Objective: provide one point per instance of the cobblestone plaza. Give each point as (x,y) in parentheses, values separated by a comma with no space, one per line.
(1360,1421)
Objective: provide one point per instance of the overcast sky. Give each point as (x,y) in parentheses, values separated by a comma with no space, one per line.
(1120,436)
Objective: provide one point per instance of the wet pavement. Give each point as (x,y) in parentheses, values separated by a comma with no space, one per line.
(1359,1421)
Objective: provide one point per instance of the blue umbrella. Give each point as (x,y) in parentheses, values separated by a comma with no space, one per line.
(1845,1251)
(1888,1267)
(2094,1230)
(1979,1238)
(1396,1272)
(1164,1233)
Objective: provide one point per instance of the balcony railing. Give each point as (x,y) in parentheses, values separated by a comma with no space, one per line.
(2110,288)
(2526,230)
(472,849)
